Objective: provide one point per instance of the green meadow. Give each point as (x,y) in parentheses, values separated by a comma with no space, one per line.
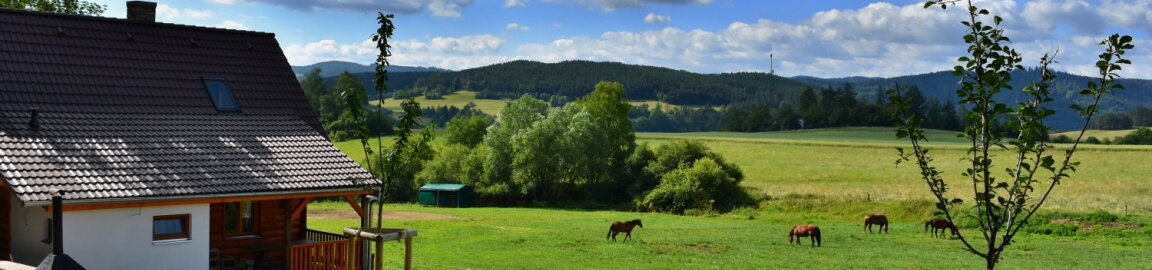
(829,177)
(458,99)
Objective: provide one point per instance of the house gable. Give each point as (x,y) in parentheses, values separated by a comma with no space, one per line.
(113,110)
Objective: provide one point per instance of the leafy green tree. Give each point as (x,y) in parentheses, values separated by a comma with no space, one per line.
(467,130)
(57,6)
(1141,136)
(1003,203)
(517,116)
(609,108)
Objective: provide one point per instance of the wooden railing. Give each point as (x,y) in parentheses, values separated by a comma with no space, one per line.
(328,252)
(322,236)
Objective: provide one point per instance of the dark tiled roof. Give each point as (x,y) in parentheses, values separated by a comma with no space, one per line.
(124,112)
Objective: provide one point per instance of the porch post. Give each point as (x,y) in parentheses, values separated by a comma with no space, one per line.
(365,221)
(287,231)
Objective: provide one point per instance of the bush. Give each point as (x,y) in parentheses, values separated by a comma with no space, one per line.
(1062,139)
(1141,136)
(697,187)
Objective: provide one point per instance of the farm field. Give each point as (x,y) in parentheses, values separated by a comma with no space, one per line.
(458,99)
(831,177)
(860,163)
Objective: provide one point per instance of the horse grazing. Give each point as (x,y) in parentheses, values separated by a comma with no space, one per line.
(623,227)
(880,220)
(938,226)
(809,230)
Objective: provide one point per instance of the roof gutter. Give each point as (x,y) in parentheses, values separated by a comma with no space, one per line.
(126,200)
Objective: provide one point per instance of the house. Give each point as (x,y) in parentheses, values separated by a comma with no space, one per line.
(171,144)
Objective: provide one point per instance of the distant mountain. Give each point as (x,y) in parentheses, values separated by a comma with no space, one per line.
(396,80)
(942,86)
(574,79)
(334,68)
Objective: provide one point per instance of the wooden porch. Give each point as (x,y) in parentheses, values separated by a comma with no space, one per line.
(273,234)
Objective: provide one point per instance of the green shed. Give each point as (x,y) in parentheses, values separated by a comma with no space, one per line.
(449,195)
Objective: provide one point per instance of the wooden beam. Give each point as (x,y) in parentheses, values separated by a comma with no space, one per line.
(300,207)
(355,205)
(113,205)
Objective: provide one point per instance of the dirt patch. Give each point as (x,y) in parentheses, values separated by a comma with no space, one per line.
(1090,225)
(388,215)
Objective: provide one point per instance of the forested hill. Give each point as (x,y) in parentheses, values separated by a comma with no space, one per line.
(334,68)
(572,79)
(942,86)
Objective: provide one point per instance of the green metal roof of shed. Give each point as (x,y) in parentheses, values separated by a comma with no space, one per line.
(452,187)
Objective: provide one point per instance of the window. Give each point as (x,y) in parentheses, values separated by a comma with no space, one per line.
(240,218)
(221,95)
(171,227)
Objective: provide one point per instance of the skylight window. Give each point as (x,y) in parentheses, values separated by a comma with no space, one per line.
(221,95)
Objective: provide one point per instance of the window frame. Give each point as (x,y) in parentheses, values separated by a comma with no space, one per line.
(214,95)
(185,225)
(254,217)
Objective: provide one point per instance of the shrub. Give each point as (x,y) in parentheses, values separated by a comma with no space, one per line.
(696,187)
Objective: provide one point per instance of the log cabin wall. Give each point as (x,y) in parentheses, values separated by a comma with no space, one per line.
(270,229)
(5,221)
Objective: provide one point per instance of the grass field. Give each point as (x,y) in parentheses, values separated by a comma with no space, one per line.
(830,177)
(860,163)
(458,99)
(1099,134)
(527,238)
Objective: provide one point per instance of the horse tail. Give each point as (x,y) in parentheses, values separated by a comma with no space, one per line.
(816,234)
(609,236)
(926,224)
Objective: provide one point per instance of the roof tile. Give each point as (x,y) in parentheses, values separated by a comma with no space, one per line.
(127,118)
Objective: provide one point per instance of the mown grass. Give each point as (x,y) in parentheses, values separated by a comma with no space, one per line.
(860,163)
(527,238)
(1099,134)
(829,177)
(458,99)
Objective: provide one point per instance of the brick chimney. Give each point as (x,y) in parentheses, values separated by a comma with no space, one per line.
(142,11)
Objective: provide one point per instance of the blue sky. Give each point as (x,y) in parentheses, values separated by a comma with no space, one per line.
(826,38)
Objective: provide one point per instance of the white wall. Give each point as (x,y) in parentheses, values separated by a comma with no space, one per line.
(122,238)
(27,231)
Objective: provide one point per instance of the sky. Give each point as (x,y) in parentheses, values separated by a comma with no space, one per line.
(824,38)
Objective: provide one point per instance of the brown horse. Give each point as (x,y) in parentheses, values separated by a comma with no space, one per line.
(809,230)
(938,225)
(880,220)
(623,227)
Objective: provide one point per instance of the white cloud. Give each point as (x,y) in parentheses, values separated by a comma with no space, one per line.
(447,8)
(611,5)
(443,8)
(230,24)
(880,39)
(516,26)
(226,2)
(171,14)
(329,50)
(654,19)
(515,3)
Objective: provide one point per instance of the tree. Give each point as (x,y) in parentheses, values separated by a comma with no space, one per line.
(57,6)
(467,130)
(1142,136)
(1003,203)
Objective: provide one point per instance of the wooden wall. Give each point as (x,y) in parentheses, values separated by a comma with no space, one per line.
(271,230)
(5,221)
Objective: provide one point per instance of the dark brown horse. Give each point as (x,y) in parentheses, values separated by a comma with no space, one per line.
(938,225)
(809,230)
(880,220)
(623,227)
